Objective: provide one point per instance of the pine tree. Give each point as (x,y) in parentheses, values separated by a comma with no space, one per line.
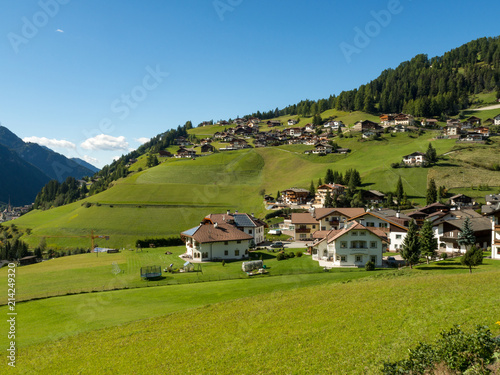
(399,191)
(328,199)
(410,251)
(431,154)
(431,192)
(466,237)
(320,182)
(428,243)
(473,257)
(278,195)
(312,190)
(329,176)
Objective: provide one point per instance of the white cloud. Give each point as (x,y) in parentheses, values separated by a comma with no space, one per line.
(60,31)
(142,140)
(115,158)
(90,159)
(51,143)
(105,142)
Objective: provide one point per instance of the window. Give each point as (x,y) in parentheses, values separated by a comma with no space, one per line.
(226,252)
(373,245)
(398,236)
(382,225)
(314,226)
(236,252)
(343,245)
(337,257)
(362,233)
(225,242)
(354,233)
(323,228)
(250,231)
(370,224)
(238,241)
(373,258)
(358,258)
(343,258)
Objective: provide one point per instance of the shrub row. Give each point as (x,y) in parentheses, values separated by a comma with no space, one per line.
(159,242)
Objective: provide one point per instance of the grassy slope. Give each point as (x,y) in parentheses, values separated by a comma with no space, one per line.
(293,327)
(175,195)
(89,272)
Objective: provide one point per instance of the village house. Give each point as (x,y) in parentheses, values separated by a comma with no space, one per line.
(452,130)
(321,191)
(404,119)
(497,120)
(248,224)
(273,123)
(423,213)
(416,158)
(335,218)
(181,141)
(373,196)
(472,121)
(394,231)
(353,246)
(387,120)
(322,148)
(304,225)
(294,196)
(447,233)
(293,132)
(186,153)
(461,200)
(206,148)
(366,125)
(292,122)
(495,233)
(309,128)
(429,122)
(211,241)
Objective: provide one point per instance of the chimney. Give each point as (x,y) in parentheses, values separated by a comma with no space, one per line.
(398,214)
(252,214)
(236,211)
(229,212)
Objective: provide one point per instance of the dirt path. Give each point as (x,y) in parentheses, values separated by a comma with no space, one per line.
(496,106)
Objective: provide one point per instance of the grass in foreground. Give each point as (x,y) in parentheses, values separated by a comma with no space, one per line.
(322,329)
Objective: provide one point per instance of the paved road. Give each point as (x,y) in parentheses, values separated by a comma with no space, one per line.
(496,106)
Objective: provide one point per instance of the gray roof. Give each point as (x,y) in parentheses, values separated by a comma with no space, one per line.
(492,198)
(192,231)
(243,220)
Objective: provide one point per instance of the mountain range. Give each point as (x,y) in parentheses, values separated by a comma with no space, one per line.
(26,167)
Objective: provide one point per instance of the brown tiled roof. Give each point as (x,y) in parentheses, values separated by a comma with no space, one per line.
(321,234)
(303,218)
(348,212)
(356,226)
(391,220)
(206,233)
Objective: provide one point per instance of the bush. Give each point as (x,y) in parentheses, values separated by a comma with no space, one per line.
(291,254)
(444,256)
(370,266)
(394,165)
(159,242)
(455,349)
(223,262)
(299,254)
(281,256)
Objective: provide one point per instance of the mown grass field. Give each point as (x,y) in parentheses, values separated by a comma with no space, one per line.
(98,272)
(317,323)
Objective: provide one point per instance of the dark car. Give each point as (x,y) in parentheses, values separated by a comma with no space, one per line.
(277,244)
(392,262)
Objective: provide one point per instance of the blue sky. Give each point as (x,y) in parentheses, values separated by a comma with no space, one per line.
(93,79)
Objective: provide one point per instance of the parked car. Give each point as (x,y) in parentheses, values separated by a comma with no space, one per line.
(277,244)
(392,262)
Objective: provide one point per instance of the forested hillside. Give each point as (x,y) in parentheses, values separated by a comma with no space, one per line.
(423,86)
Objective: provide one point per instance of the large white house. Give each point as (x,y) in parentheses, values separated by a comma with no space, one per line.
(215,241)
(396,232)
(352,246)
(248,224)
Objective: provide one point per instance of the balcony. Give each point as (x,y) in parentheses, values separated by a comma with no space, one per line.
(302,230)
(497,228)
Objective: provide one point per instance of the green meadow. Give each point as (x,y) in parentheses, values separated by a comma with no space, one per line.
(318,323)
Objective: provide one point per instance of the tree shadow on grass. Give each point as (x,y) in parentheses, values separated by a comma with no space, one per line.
(444,265)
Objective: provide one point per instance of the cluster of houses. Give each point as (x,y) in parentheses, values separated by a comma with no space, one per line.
(239,131)
(11,213)
(346,237)
(469,130)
